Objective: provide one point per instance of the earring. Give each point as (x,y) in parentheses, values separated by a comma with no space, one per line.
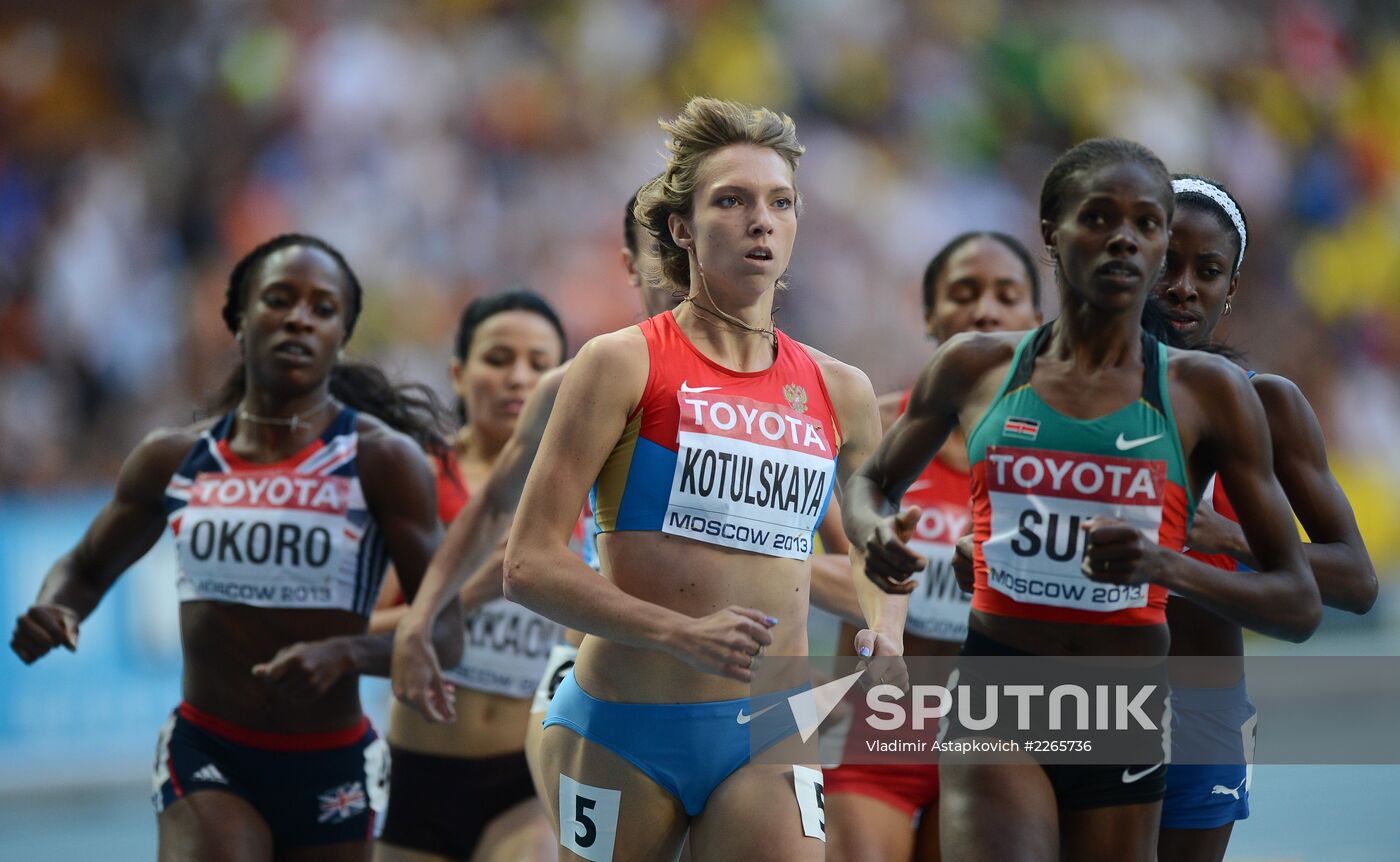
(238,336)
(1227,308)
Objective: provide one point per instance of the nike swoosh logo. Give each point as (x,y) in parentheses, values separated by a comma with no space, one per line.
(686,387)
(1124,444)
(745,719)
(1129,776)
(919,486)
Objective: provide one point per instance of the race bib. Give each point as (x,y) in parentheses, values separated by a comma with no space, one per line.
(749,475)
(1040,499)
(506,650)
(269,539)
(938,607)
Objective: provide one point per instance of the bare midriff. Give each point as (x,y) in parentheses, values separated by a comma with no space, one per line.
(695,579)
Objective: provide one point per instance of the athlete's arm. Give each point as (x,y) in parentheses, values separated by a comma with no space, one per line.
(121,534)
(473,546)
(603,385)
(401,493)
(1335,550)
(881,614)
(1281,598)
(889,405)
(832,590)
(874,521)
(389,608)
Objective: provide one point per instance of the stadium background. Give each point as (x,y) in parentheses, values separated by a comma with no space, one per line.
(457,147)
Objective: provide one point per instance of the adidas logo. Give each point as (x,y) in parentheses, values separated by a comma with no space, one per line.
(209,772)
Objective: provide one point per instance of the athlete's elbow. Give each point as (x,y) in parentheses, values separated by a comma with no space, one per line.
(520,577)
(1366,590)
(1370,591)
(1305,620)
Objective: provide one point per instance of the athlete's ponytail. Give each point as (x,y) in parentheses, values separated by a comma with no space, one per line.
(412,409)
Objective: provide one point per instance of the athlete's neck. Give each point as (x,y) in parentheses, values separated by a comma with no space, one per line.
(1094,339)
(275,424)
(728,342)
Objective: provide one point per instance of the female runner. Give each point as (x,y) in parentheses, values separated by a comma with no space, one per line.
(1203,800)
(979,282)
(648,734)
(462,563)
(463,790)
(1136,430)
(285,509)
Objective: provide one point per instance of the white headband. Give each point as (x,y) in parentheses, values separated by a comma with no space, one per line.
(1221,199)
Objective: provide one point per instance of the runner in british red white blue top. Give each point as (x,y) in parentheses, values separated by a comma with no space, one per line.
(285,509)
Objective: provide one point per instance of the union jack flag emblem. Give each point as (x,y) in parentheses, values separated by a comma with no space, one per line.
(342,803)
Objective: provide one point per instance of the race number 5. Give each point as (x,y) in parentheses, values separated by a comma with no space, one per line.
(587,819)
(810,801)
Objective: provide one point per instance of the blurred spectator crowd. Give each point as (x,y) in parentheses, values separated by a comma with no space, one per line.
(456,147)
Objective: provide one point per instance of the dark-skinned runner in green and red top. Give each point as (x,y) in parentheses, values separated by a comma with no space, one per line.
(1106,208)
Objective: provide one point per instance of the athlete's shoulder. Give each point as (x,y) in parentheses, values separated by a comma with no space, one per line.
(394,470)
(840,377)
(1212,389)
(178,435)
(610,370)
(968,356)
(1283,401)
(380,445)
(1209,371)
(171,444)
(150,466)
(628,346)
(982,347)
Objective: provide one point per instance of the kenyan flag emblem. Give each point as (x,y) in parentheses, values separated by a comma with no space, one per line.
(1026,429)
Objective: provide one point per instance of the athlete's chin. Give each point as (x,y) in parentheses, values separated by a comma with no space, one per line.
(753,278)
(285,382)
(1114,299)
